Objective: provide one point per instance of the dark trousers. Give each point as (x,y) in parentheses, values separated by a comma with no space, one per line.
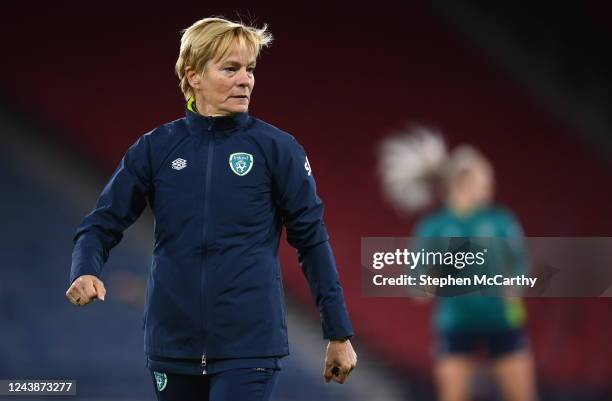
(243,384)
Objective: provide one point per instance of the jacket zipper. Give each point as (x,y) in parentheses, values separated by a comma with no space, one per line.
(211,146)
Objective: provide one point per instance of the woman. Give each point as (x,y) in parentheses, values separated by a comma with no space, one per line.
(221,185)
(416,164)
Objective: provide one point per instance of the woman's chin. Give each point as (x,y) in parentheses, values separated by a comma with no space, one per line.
(239,109)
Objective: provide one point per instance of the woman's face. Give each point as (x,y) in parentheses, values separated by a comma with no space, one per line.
(225,86)
(476,185)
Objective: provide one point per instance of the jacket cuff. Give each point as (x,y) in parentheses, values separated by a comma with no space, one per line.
(336,322)
(85,260)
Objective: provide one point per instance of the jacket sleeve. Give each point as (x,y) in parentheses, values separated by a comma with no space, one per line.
(514,239)
(121,202)
(302,213)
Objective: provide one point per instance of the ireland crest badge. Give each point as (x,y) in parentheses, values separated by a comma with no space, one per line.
(161,380)
(241,163)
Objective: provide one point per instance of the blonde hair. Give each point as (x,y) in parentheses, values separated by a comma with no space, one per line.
(211,39)
(415,162)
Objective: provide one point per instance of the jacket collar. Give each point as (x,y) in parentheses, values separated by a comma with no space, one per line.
(202,124)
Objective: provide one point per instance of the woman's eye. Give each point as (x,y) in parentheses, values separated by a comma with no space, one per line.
(230,69)
(251,70)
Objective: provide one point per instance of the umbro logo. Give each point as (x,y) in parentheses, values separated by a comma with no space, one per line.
(179,164)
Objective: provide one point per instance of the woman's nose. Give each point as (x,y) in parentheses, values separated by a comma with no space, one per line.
(242,78)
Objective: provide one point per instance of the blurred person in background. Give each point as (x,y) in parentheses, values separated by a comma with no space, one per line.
(417,170)
(221,185)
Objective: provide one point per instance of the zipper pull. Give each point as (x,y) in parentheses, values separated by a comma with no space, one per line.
(203,364)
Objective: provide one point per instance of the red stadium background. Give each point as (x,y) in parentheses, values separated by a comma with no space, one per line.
(339,79)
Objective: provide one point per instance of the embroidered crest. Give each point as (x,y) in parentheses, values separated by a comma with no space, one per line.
(241,163)
(161,380)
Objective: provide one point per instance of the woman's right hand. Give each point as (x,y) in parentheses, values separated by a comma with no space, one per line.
(85,289)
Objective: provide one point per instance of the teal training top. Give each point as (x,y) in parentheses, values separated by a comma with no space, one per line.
(477,312)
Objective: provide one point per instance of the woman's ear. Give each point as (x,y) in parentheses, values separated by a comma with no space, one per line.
(193,77)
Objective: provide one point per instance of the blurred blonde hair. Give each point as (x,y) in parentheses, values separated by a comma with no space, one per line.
(415,166)
(211,39)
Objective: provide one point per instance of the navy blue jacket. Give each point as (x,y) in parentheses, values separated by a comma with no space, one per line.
(221,189)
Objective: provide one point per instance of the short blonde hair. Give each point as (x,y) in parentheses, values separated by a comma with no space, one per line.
(211,39)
